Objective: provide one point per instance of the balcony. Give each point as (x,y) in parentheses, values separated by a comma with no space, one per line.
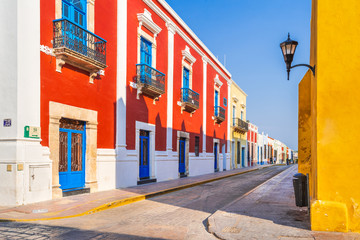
(150,81)
(189,100)
(78,47)
(240,125)
(219,114)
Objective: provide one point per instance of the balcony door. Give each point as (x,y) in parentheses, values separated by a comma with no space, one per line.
(216,99)
(75,12)
(145,52)
(186,85)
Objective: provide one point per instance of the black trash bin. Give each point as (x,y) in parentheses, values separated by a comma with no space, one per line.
(300,189)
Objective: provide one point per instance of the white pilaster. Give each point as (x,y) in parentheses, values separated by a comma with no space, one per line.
(21,157)
(204,103)
(121,79)
(170,85)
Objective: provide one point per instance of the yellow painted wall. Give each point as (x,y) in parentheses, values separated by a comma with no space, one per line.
(335,165)
(238,98)
(304,124)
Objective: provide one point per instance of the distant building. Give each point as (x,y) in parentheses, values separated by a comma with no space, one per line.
(239,127)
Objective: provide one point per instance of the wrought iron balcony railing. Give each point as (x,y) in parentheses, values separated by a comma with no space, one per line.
(219,113)
(79,40)
(189,99)
(150,81)
(240,125)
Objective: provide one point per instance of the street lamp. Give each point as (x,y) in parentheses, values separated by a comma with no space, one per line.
(288,48)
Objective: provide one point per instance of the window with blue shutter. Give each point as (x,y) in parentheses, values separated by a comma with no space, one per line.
(145,52)
(75,11)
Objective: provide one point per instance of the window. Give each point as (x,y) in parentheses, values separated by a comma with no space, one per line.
(186,78)
(216,98)
(225,102)
(197,146)
(75,11)
(234,121)
(145,52)
(242,115)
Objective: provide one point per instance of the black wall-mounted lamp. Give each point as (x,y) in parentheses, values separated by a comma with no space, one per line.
(288,48)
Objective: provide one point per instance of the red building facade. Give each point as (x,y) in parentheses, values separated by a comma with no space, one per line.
(121,93)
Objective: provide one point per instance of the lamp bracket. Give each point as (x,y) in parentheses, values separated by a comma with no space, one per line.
(305,65)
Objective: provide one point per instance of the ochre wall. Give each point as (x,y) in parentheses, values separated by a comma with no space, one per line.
(235,91)
(335,102)
(304,137)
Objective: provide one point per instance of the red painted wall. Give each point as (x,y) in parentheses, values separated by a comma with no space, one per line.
(184,122)
(218,131)
(143,109)
(72,86)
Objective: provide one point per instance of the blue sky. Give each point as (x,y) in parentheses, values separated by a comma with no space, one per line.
(249,32)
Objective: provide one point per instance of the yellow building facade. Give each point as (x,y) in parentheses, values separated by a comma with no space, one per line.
(239,126)
(329,117)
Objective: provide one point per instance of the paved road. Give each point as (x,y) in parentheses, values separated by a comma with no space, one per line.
(178,215)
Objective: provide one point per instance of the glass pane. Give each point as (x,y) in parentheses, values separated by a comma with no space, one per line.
(76,16)
(65,10)
(145,151)
(76,152)
(81,19)
(288,49)
(78,4)
(63,152)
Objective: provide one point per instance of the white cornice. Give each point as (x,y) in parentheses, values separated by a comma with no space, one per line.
(146,20)
(161,14)
(171,27)
(187,55)
(235,99)
(192,34)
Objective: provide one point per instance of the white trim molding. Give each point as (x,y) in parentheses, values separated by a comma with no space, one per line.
(217,81)
(146,20)
(187,55)
(224,72)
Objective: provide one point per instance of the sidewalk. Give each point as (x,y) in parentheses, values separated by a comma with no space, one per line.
(79,205)
(268,212)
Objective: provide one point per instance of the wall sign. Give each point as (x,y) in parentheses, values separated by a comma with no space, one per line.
(32,132)
(7,122)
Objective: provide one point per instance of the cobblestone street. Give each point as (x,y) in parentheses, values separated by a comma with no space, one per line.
(179,215)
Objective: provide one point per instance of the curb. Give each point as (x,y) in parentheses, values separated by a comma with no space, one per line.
(211,224)
(130,200)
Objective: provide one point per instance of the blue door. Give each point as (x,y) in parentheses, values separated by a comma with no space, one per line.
(144,165)
(216,156)
(72,154)
(216,99)
(182,156)
(243,156)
